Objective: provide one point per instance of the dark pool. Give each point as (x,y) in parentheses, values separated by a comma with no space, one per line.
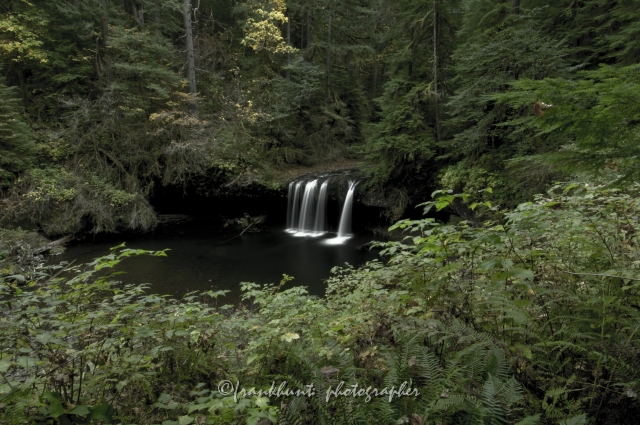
(202,258)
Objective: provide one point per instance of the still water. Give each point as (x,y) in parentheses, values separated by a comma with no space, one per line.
(203,258)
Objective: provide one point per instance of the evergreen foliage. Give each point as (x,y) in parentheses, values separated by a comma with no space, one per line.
(593,122)
(497,48)
(405,140)
(16,146)
(414,89)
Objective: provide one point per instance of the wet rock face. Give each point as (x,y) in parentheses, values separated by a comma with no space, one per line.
(393,201)
(376,197)
(338,180)
(284,176)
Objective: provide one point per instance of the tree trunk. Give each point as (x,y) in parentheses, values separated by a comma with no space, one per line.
(23,86)
(288,72)
(309,33)
(134,11)
(435,68)
(104,20)
(141,16)
(384,73)
(516,7)
(129,7)
(191,68)
(411,55)
(374,79)
(328,65)
(50,245)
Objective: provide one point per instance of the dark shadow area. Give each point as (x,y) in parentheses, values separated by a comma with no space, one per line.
(208,253)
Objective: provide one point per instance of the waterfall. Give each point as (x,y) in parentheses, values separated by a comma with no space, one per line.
(345,219)
(321,209)
(307,210)
(290,205)
(292,210)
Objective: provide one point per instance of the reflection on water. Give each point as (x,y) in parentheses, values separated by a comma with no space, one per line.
(203,260)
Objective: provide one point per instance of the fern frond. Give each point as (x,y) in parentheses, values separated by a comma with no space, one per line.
(454,403)
(497,364)
(494,411)
(530,420)
(576,420)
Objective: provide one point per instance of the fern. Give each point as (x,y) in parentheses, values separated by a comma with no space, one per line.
(576,420)
(494,413)
(530,420)
(497,365)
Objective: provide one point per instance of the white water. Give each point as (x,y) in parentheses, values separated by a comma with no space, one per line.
(290,205)
(345,219)
(293,211)
(307,209)
(321,209)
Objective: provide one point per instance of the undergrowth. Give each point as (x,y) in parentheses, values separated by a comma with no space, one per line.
(529,318)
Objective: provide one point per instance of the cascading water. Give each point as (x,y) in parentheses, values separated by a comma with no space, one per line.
(321,209)
(307,206)
(307,209)
(345,218)
(294,201)
(290,205)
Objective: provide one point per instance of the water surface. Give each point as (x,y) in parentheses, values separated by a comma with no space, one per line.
(203,258)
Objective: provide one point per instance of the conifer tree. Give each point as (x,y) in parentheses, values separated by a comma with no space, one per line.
(499,42)
(406,139)
(593,123)
(16,146)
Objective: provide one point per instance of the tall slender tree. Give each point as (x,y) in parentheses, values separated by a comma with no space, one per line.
(16,146)
(104,20)
(409,132)
(328,60)
(309,33)
(436,98)
(288,73)
(188,40)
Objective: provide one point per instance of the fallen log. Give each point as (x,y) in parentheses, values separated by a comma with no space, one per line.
(50,245)
(237,236)
(58,273)
(172,218)
(246,222)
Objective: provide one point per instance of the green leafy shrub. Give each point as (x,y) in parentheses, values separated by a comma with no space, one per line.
(88,347)
(64,202)
(15,250)
(528,318)
(554,280)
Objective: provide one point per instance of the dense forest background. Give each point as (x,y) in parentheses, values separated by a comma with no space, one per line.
(105,101)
